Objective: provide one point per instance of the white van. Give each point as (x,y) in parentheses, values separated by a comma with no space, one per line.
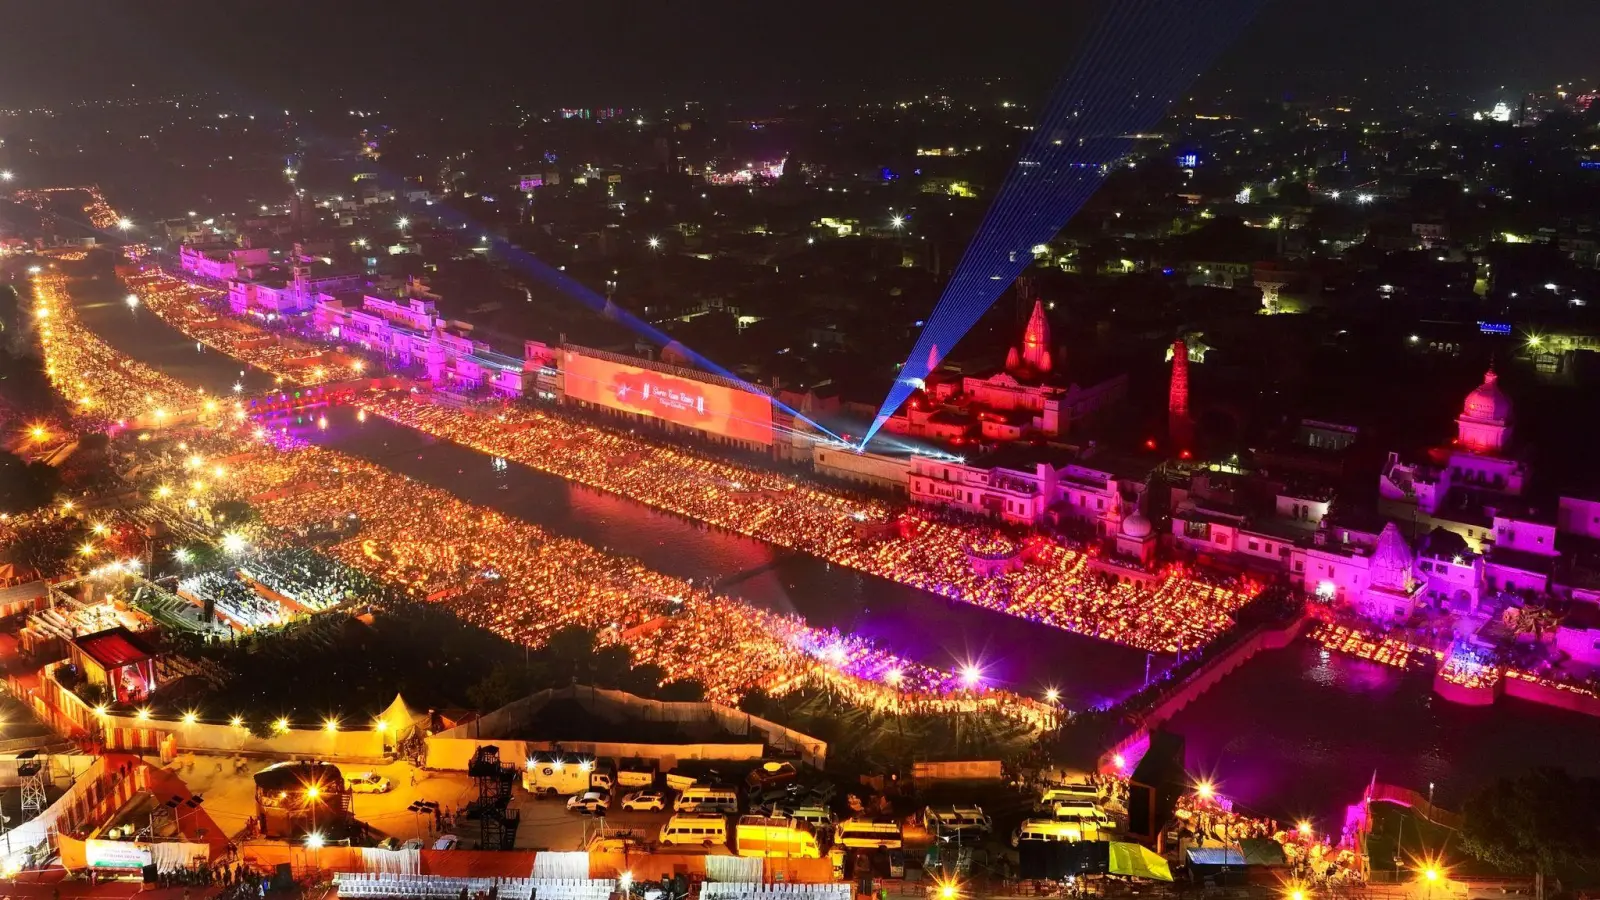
(952,820)
(1047,830)
(695,830)
(707,798)
(817,817)
(868,834)
(1080,809)
(1068,792)
(1093,824)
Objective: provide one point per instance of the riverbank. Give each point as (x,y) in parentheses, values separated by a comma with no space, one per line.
(1123,756)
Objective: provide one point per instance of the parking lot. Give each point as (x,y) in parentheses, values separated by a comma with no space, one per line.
(546,824)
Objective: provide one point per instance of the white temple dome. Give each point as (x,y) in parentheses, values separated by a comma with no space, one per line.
(1137,526)
(1487,401)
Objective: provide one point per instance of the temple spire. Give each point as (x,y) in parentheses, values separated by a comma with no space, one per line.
(1036,340)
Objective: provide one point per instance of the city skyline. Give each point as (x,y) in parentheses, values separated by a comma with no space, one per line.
(618,54)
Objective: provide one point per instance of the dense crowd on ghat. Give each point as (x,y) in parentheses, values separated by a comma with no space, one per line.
(186,305)
(1461,669)
(307,579)
(1056,588)
(232,599)
(508,576)
(523,583)
(1377,648)
(100,383)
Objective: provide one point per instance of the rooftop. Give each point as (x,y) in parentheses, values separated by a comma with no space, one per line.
(115,647)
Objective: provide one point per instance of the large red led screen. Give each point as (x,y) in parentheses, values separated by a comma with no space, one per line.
(741,415)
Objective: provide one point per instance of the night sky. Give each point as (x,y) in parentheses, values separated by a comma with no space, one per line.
(598,52)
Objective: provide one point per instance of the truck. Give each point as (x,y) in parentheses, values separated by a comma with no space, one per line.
(556,776)
(775,838)
(636,773)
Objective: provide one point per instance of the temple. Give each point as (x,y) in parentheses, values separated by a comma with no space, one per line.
(1029,398)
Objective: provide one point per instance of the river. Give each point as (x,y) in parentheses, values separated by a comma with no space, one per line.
(1292,733)
(912,622)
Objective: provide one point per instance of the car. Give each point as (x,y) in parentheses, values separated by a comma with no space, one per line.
(446,842)
(645,800)
(367,783)
(771,773)
(590,802)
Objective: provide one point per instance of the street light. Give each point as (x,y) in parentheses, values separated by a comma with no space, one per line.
(404,222)
(124,223)
(132,301)
(655,243)
(233,542)
(6,175)
(897,222)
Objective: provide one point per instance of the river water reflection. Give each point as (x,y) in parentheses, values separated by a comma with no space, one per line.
(1291,733)
(915,623)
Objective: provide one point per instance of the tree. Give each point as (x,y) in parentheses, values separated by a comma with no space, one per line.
(644,680)
(26,486)
(48,546)
(1538,822)
(686,691)
(234,512)
(758,702)
(610,665)
(504,683)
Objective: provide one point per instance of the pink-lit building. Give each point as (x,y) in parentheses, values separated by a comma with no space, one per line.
(221,262)
(1028,398)
(1029,486)
(1373,574)
(276,294)
(409,332)
(1462,487)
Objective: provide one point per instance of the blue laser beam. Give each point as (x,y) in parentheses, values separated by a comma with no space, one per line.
(529,265)
(1140,56)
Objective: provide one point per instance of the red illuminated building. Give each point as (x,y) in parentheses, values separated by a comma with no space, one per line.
(1029,398)
(118,659)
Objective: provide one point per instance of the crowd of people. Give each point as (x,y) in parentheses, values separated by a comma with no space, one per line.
(523,583)
(188,306)
(1375,647)
(233,599)
(308,579)
(1055,588)
(99,383)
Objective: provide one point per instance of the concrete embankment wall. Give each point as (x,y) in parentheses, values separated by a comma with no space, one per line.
(1522,689)
(1552,696)
(1206,677)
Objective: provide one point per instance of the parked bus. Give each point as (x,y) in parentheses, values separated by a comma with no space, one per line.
(868,834)
(775,838)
